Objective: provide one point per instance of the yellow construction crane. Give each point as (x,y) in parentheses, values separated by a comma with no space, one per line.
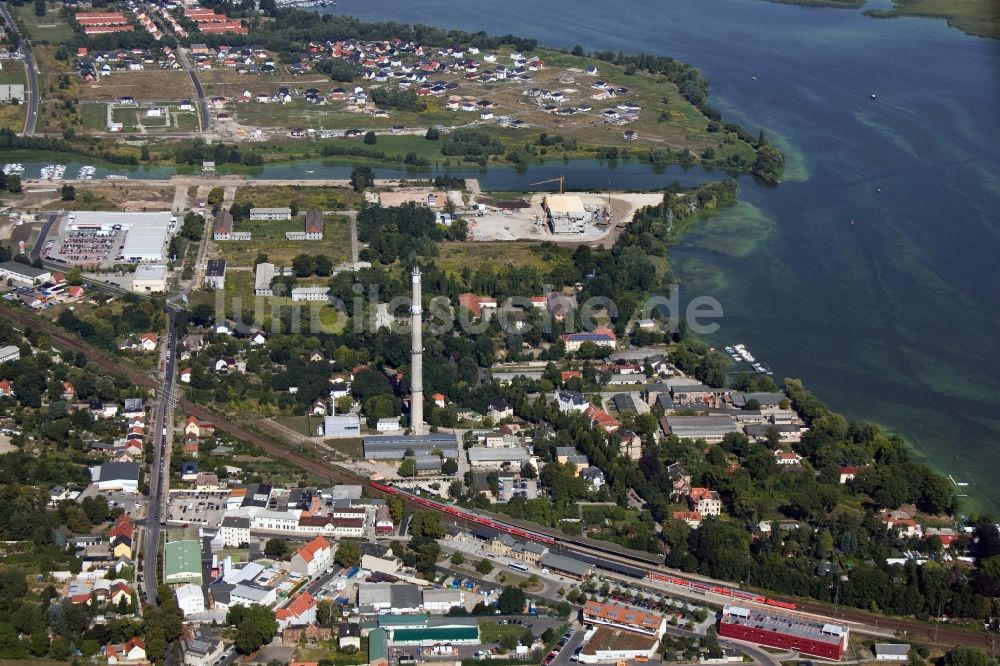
(561,180)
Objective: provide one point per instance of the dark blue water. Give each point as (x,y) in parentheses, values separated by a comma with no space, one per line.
(892,318)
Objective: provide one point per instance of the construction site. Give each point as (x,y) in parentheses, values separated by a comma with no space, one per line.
(570,217)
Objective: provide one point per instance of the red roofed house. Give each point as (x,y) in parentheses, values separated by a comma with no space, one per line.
(75,291)
(133,651)
(312,558)
(848,472)
(439,399)
(599,417)
(475,304)
(906,527)
(692,518)
(147,341)
(622,617)
(784,458)
(301,611)
(198,428)
(6,389)
(570,374)
(68,391)
(186,375)
(706,502)
(945,535)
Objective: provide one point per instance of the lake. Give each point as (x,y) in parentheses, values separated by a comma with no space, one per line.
(868,273)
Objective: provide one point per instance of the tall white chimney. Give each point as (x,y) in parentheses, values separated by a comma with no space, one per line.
(417,360)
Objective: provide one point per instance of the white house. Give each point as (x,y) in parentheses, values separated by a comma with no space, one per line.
(312,558)
(190,599)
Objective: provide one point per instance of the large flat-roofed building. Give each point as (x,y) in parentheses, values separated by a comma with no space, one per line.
(818,639)
(149,279)
(268,214)
(20,273)
(182,562)
(498,458)
(611,644)
(147,235)
(565,565)
(395,447)
(622,617)
(9,353)
(262,277)
(215,274)
(712,429)
(342,425)
(310,294)
(428,636)
(566,213)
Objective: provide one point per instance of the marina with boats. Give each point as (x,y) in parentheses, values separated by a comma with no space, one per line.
(740,354)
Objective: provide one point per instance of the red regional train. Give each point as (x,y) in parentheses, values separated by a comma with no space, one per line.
(464,514)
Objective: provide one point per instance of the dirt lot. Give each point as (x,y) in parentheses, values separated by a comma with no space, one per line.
(146,85)
(529,224)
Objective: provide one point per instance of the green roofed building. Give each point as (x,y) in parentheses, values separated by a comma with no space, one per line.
(433,635)
(182,562)
(378,647)
(390,621)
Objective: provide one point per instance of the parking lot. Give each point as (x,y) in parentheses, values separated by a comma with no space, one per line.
(86,247)
(192,507)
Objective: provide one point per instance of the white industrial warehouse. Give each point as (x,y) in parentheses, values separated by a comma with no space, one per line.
(144,237)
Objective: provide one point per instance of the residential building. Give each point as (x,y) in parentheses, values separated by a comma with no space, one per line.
(630,619)
(235,531)
(300,611)
(203,650)
(223,229)
(571,401)
(131,652)
(263,276)
(270,214)
(602,337)
(349,635)
(312,558)
(215,274)
(706,502)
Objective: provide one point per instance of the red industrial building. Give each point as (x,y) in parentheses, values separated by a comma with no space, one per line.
(812,638)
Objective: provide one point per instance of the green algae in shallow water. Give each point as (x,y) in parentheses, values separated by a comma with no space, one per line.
(796,167)
(700,276)
(735,232)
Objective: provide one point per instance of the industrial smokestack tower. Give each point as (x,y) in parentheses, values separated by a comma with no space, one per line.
(416,361)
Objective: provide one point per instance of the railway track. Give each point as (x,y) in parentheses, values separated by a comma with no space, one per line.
(913,630)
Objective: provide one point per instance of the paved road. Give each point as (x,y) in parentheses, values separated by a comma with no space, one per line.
(204,118)
(32,89)
(158,478)
(36,252)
